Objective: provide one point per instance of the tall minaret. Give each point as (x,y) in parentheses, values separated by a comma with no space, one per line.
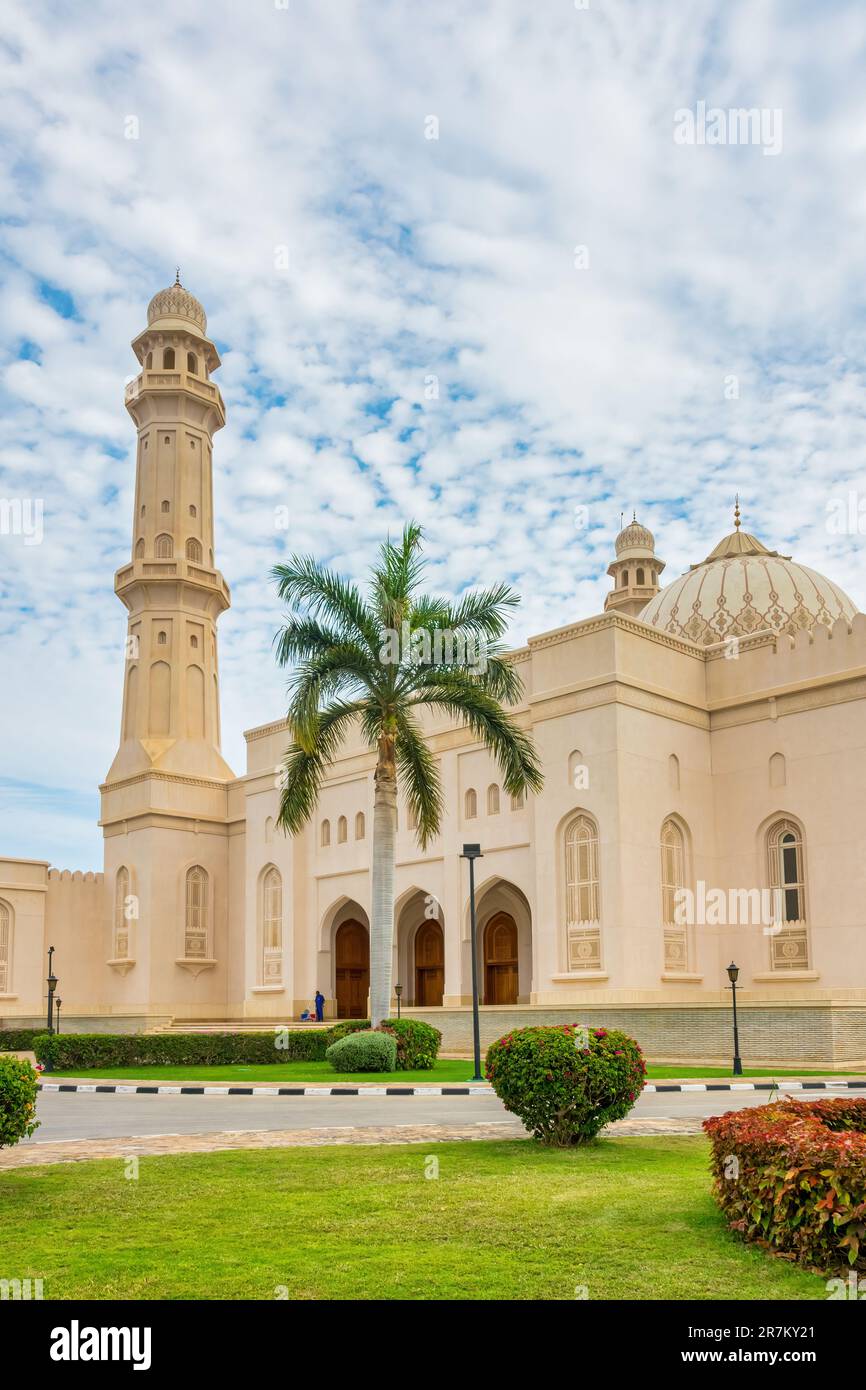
(164,813)
(171,588)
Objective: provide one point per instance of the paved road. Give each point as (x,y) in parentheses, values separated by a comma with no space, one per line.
(92,1116)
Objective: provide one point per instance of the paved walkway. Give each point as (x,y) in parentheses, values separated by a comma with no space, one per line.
(83,1150)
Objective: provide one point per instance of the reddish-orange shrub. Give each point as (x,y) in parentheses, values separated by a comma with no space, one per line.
(792,1176)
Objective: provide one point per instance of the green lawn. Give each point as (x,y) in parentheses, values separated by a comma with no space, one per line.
(626,1218)
(447,1071)
(279,1073)
(659,1073)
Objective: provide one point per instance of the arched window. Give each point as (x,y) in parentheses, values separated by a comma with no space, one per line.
(578,772)
(168,359)
(192,509)
(269,829)
(325,833)
(148,361)
(623,583)
(411,818)
(673,876)
(342,830)
(120,944)
(493,800)
(161,639)
(192,363)
(360,825)
(5,948)
(518,802)
(166,505)
(193,640)
(195,941)
(778,770)
(674,772)
(470,804)
(582,894)
(163,547)
(272,928)
(139,549)
(639,579)
(193,550)
(787,873)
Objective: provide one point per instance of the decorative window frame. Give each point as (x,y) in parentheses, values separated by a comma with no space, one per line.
(790,947)
(271,954)
(7,960)
(677,938)
(583,936)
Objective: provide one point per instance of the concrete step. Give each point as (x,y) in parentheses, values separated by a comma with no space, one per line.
(247,1025)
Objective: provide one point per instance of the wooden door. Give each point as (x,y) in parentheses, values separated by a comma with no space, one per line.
(352,970)
(429,965)
(500,960)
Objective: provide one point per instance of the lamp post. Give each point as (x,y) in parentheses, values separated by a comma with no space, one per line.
(52,985)
(733,974)
(58,1001)
(473,852)
(398,990)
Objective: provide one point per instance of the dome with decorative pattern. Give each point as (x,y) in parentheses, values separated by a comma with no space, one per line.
(176,303)
(741,588)
(634,537)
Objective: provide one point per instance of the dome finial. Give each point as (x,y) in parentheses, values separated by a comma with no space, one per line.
(737,511)
(177,277)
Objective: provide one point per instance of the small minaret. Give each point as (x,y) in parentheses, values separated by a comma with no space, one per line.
(171,588)
(635,571)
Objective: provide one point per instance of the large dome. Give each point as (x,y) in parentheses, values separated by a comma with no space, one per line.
(741,588)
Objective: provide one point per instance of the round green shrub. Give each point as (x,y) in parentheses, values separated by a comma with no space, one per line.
(363,1051)
(566,1083)
(18,1092)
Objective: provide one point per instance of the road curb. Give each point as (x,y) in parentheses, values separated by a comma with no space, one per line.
(90,1088)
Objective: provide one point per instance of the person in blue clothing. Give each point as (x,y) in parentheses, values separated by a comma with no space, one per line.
(320,1005)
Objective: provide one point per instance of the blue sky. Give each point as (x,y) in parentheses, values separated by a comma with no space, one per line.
(280,157)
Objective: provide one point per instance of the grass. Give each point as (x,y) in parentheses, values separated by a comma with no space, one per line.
(626,1218)
(283,1073)
(447,1071)
(659,1073)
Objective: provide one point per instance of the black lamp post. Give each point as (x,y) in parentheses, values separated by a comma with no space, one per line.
(398,990)
(52,985)
(473,852)
(733,974)
(58,1001)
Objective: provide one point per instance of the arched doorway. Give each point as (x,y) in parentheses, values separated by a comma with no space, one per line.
(429,965)
(352,969)
(500,960)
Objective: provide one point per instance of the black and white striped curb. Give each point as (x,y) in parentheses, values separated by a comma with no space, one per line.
(121,1089)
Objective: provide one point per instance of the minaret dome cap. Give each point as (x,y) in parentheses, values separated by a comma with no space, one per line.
(635,537)
(176,307)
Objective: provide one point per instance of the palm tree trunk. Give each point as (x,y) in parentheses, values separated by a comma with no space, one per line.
(382,920)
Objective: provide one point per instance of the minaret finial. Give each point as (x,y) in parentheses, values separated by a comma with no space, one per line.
(737,511)
(634,514)
(177,278)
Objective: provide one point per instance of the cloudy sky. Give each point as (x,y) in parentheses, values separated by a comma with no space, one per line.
(373,198)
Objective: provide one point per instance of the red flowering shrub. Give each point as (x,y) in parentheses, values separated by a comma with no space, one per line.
(792,1176)
(566,1083)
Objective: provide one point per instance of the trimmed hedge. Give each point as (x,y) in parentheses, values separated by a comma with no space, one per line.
(566,1082)
(791,1176)
(88,1050)
(363,1051)
(18,1092)
(417,1042)
(19,1039)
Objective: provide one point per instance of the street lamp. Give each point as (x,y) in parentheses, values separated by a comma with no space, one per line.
(52,985)
(733,975)
(473,852)
(398,990)
(58,1001)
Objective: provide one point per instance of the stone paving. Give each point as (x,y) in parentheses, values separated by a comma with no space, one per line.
(83,1150)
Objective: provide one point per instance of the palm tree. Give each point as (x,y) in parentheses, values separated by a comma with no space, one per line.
(376,661)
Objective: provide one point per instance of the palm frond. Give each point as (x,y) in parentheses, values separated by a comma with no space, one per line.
(306,585)
(467,701)
(305,767)
(418,772)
